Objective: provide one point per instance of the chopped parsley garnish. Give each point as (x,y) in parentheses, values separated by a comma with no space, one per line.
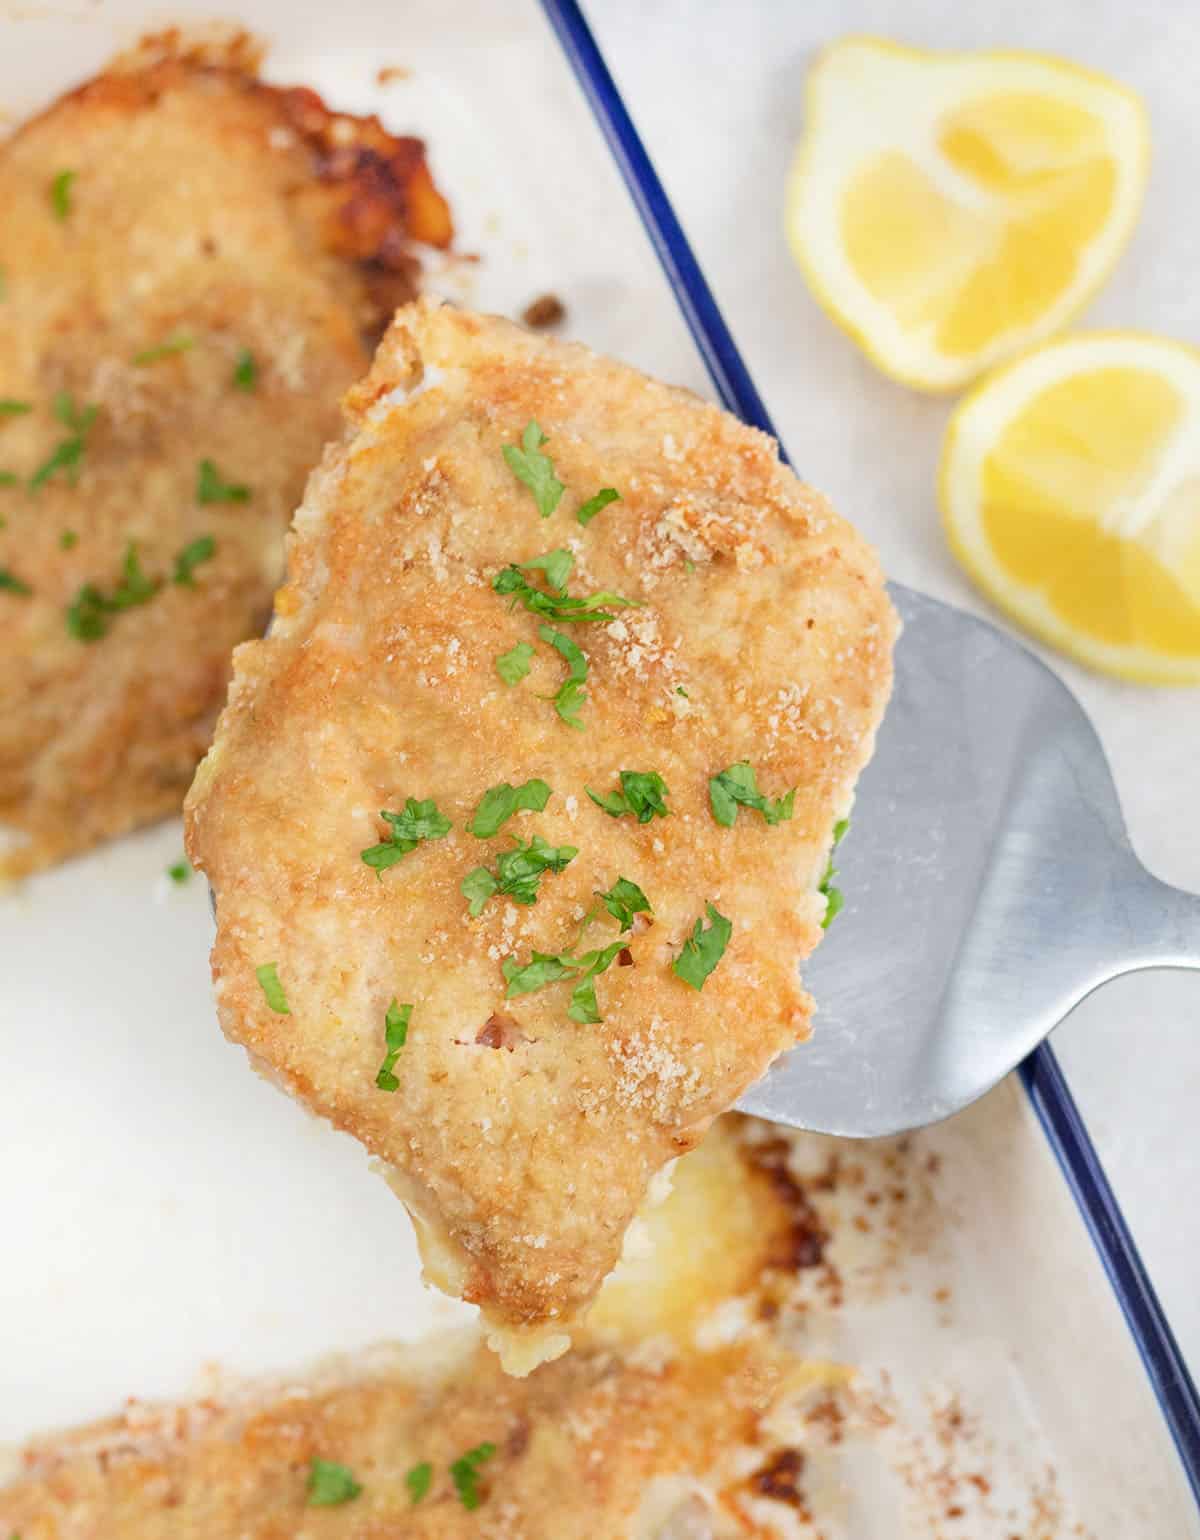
(419,820)
(703,949)
(499,803)
(555,564)
(623,900)
(210,488)
(570,695)
(11,408)
(60,194)
(679,690)
(518,873)
(8,478)
(395,1035)
(87,615)
(68,452)
(834,898)
(245,371)
(12,584)
(643,794)
(545,968)
(512,666)
(558,604)
(330,1484)
(418,1481)
(586,512)
(542,968)
(268,976)
(535,469)
(737,787)
(68,540)
(179,872)
(464,1473)
(178,344)
(193,555)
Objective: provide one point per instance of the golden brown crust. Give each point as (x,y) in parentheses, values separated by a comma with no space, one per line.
(202,203)
(379,683)
(642,1421)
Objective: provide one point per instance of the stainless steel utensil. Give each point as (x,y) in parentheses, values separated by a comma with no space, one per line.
(990,882)
(990,885)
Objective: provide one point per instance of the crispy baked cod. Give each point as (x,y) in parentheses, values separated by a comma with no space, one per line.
(664,1424)
(477,901)
(194,267)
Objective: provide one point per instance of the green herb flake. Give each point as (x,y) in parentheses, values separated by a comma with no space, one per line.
(211,488)
(623,900)
(570,695)
(8,478)
(10,583)
(737,787)
(555,564)
(330,1484)
(13,408)
(518,873)
(499,803)
(703,949)
(542,968)
(582,1006)
(529,465)
(60,194)
(643,795)
(86,620)
(245,371)
(679,690)
(181,343)
(464,1473)
(586,512)
(418,1481)
(268,977)
(68,540)
(87,615)
(67,453)
(179,872)
(546,968)
(419,820)
(134,587)
(558,604)
(512,666)
(834,898)
(395,1033)
(193,555)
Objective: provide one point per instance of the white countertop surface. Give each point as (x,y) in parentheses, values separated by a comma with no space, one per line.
(716,89)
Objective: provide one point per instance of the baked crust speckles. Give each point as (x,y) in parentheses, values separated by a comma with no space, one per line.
(202,207)
(661,1415)
(524,1153)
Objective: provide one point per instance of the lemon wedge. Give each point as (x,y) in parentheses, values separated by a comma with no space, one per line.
(1070,489)
(949,209)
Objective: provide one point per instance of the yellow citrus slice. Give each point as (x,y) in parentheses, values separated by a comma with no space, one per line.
(949,209)
(1070,489)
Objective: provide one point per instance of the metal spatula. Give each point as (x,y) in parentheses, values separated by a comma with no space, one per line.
(989,880)
(990,886)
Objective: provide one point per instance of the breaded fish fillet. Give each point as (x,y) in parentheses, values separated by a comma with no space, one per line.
(642,1432)
(500,926)
(193,268)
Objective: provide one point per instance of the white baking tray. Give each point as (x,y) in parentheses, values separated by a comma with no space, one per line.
(165,1213)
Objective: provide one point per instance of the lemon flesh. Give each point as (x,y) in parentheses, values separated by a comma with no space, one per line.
(949,209)
(1071,492)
